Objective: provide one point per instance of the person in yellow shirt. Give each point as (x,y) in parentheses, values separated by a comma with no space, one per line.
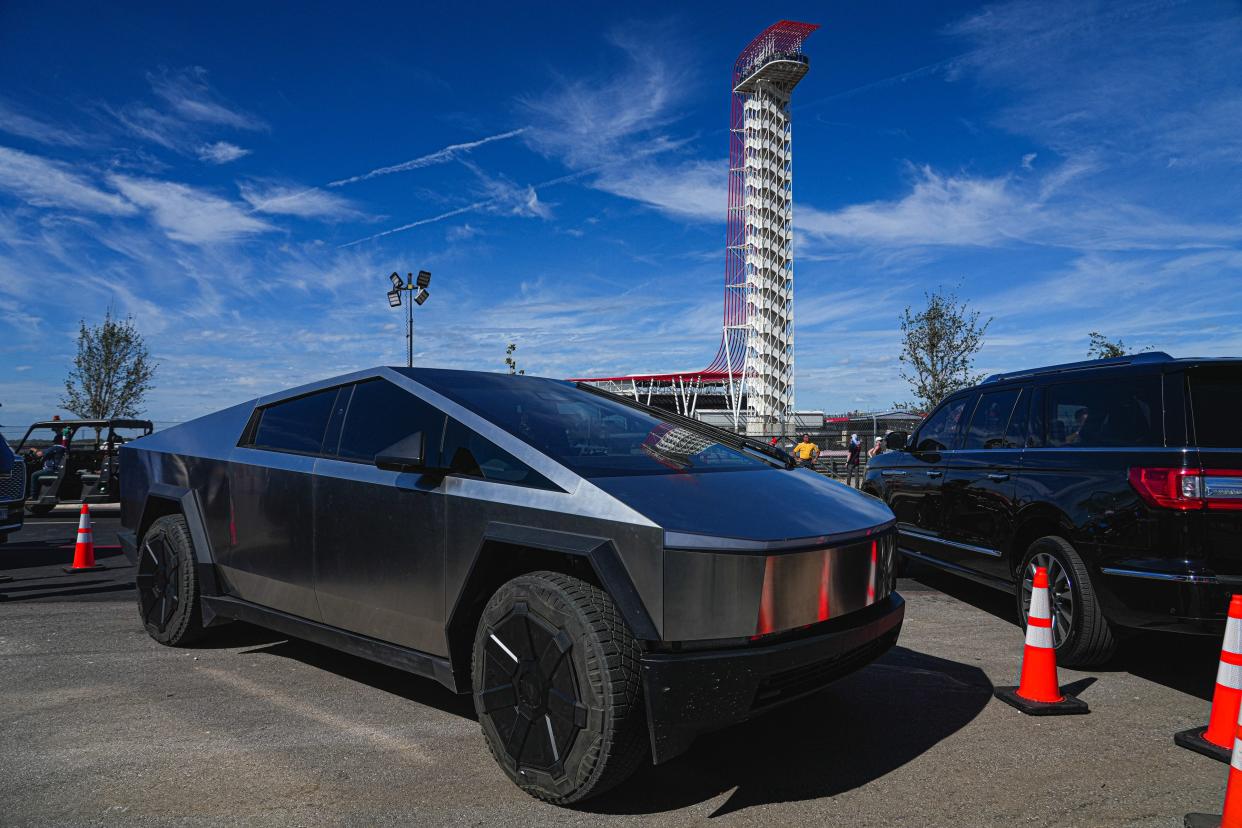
(806,452)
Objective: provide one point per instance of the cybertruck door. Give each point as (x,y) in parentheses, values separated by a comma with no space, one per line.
(269,558)
(379,535)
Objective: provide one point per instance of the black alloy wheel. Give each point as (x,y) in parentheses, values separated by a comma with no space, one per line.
(168,584)
(562,713)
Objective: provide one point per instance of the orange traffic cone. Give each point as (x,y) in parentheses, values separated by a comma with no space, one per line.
(1037,693)
(1216,740)
(1232,817)
(84,551)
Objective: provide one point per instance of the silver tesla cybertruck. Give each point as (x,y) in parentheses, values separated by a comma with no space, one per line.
(607,580)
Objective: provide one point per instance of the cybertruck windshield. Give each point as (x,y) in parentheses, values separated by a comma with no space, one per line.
(592,435)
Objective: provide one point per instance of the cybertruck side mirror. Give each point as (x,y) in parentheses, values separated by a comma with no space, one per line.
(406,455)
(896,440)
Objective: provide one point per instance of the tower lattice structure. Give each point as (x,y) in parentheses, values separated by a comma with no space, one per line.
(757,345)
(753,371)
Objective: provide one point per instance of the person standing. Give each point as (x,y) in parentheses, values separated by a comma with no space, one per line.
(852,476)
(806,452)
(877,449)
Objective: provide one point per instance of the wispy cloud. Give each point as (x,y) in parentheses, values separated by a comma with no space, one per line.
(187,93)
(187,111)
(16,122)
(452,152)
(221,152)
(47,183)
(186,214)
(292,200)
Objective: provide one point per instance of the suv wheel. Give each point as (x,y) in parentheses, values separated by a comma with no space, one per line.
(167,583)
(556,687)
(1080,632)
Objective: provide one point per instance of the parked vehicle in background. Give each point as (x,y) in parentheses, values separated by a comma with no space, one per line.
(1122,477)
(12,491)
(608,580)
(85,471)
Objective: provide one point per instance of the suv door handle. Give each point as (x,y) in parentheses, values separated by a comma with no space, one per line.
(934,473)
(998,476)
(893,473)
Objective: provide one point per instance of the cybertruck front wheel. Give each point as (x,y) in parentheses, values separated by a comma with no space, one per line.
(168,583)
(556,687)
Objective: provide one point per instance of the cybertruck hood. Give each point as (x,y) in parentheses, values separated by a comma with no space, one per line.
(757,505)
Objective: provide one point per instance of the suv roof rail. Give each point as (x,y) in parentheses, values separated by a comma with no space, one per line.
(1129,359)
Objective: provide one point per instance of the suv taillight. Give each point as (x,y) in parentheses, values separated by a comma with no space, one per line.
(1189,489)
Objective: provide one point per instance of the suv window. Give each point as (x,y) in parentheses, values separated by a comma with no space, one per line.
(295,425)
(940,432)
(381,414)
(987,426)
(1124,411)
(1216,396)
(468,453)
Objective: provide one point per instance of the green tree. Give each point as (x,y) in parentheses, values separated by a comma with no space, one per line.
(939,344)
(1101,347)
(510,362)
(112,372)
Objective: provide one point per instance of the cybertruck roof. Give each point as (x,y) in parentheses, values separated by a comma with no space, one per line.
(689,479)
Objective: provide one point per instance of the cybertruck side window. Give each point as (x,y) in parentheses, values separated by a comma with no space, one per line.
(294,425)
(380,415)
(469,454)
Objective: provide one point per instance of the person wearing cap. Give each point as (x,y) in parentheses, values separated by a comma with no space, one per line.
(806,452)
(852,475)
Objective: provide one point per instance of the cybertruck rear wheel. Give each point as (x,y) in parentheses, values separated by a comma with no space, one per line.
(556,687)
(168,583)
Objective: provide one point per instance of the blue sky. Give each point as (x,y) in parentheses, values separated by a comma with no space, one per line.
(242,178)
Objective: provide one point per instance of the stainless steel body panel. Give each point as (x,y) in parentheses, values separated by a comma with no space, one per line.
(387,555)
(379,553)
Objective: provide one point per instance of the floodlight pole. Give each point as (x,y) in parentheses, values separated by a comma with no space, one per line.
(409,327)
(416,294)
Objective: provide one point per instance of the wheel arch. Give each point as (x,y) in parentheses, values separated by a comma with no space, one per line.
(1033,524)
(164,500)
(508,551)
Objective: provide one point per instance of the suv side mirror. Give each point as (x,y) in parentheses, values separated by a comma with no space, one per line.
(896,440)
(405,455)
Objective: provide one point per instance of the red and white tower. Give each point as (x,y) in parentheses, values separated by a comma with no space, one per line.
(753,372)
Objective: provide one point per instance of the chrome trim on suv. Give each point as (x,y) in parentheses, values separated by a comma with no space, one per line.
(982,550)
(1159,576)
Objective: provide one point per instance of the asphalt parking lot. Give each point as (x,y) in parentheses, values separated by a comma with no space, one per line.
(101,726)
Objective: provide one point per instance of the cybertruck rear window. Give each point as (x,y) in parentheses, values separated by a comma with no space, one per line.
(593,435)
(1216,398)
(295,425)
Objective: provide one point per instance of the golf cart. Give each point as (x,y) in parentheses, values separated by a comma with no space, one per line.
(75,461)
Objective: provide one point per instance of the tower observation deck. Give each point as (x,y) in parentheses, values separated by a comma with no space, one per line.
(751,378)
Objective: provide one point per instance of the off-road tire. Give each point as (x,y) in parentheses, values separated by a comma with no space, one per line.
(1091,640)
(560,636)
(167,581)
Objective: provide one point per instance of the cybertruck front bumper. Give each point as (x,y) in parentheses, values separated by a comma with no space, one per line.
(690,693)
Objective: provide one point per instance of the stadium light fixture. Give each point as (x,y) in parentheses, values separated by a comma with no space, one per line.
(418,295)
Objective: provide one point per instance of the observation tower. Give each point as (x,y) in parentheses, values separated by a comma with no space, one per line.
(750,383)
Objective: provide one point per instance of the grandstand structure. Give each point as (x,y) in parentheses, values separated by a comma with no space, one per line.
(751,380)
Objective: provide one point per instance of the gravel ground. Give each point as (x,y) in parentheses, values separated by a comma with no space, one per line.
(102,726)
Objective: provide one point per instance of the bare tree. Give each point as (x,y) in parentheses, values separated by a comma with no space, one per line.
(510,362)
(112,372)
(939,344)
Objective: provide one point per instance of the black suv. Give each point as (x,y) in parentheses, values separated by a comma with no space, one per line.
(1122,476)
